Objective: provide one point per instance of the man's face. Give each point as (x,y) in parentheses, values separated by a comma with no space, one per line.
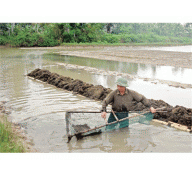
(121,88)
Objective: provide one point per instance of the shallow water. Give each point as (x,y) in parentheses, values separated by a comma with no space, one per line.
(40,108)
(170,73)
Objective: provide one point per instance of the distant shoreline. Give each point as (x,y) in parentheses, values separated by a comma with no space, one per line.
(105,45)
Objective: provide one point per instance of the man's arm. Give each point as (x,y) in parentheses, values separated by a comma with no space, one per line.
(140,98)
(105,102)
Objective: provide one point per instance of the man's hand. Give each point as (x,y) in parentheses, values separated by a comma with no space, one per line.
(152,110)
(103,115)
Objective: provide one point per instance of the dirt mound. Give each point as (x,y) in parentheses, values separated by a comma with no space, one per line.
(178,114)
(96,92)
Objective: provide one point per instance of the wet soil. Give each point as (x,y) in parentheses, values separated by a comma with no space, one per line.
(127,54)
(177,114)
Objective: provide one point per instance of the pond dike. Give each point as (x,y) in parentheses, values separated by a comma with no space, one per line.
(178,116)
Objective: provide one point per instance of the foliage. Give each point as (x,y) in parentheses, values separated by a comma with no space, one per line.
(3,40)
(52,34)
(110,38)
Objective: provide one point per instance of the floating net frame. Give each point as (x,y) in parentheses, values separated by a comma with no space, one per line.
(86,123)
(81,121)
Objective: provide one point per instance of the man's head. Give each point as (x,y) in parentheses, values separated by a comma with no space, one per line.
(121,84)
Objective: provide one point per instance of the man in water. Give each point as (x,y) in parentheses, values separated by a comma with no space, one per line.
(121,100)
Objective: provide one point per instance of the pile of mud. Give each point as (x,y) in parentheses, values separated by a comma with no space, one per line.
(97,92)
(177,114)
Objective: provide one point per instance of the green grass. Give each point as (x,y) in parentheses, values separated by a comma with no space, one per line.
(125,44)
(9,141)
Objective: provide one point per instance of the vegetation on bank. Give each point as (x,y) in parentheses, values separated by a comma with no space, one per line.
(53,34)
(126,44)
(9,141)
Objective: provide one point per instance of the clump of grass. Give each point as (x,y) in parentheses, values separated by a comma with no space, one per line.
(9,141)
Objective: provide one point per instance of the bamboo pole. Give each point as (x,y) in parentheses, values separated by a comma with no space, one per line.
(115,115)
(126,118)
(67,125)
(107,111)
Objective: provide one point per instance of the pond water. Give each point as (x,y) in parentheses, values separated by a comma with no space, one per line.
(40,108)
(169,73)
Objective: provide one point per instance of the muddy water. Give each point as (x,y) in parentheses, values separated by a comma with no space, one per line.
(40,108)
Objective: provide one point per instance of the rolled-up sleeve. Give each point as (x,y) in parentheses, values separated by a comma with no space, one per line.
(146,102)
(107,100)
(140,98)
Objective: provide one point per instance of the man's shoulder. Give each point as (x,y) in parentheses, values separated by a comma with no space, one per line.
(129,90)
(111,94)
(114,91)
(132,92)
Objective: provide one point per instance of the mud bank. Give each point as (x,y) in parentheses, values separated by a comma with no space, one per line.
(128,54)
(178,114)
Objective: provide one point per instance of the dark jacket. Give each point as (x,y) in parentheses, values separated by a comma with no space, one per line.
(124,102)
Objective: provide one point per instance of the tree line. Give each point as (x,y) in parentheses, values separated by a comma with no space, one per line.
(52,34)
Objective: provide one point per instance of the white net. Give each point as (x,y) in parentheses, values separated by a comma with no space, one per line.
(81,121)
(91,122)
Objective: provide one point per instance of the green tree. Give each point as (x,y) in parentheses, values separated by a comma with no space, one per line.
(188,30)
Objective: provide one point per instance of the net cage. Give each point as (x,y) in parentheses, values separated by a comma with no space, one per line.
(84,123)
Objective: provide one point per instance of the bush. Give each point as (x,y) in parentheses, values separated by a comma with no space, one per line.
(110,38)
(134,38)
(46,41)
(3,40)
(27,40)
(152,38)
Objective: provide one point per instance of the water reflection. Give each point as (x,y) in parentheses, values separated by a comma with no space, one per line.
(107,65)
(137,138)
(153,69)
(143,66)
(117,141)
(176,74)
